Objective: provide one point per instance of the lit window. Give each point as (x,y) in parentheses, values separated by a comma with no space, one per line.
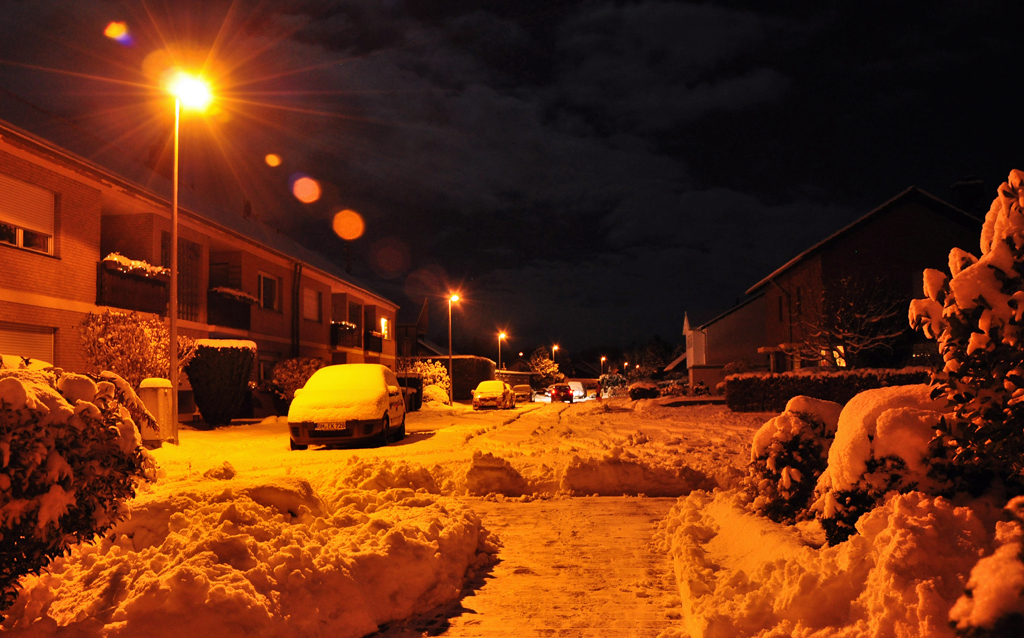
(385,328)
(268,291)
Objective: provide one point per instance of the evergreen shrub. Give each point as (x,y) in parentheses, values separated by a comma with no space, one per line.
(220,377)
(291,374)
(769,392)
(71,457)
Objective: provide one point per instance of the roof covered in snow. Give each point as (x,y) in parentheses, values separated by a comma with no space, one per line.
(912,194)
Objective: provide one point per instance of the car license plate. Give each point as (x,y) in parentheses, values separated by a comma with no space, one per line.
(332,425)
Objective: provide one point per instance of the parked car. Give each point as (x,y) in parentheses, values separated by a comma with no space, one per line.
(560,392)
(578,393)
(523,393)
(347,403)
(494,393)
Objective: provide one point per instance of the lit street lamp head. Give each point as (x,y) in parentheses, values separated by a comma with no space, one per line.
(191,91)
(453,298)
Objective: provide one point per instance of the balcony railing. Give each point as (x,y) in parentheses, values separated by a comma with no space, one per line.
(130,292)
(374,342)
(345,335)
(227,311)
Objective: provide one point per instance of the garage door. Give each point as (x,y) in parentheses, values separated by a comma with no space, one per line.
(27,341)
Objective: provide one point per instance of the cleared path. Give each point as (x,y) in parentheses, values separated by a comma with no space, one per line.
(578,567)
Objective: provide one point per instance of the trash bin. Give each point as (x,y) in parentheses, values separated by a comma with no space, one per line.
(156,395)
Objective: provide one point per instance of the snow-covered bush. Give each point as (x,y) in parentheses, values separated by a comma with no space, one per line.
(643,390)
(612,384)
(977,318)
(993,606)
(769,392)
(435,393)
(219,374)
(882,445)
(291,374)
(788,455)
(433,372)
(71,456)
(131,346)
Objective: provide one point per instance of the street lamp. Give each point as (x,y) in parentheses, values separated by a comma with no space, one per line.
(554,354)
(501,336)
(451,377)
(193,93)
(603,359)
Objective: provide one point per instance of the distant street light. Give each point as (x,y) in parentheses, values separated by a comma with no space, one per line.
(500,337)
(603,359)
(193,93)
(554,354)
(451,376)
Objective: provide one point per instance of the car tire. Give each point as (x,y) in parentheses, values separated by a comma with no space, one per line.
(385,431)
(296,446)
(400,432)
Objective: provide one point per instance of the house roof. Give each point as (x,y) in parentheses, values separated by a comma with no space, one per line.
(232,223)
(675,362)
(912,194)
(730,311)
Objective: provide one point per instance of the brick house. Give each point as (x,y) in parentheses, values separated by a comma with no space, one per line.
(61,215)
(892,244)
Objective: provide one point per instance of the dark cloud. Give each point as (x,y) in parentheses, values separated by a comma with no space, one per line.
(587,171)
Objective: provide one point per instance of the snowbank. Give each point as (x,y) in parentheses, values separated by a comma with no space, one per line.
(618,472)
(742,575)
(259,557)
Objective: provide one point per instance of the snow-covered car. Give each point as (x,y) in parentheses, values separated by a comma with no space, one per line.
(347,403)
(578,393)
(523,393)
(493,393)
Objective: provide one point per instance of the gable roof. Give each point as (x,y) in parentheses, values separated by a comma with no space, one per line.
(235,224)
(912,194)
(729,311)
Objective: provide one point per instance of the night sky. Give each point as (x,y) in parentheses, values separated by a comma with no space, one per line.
(583,172)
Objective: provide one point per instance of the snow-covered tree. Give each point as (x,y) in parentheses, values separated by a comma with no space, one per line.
(977,317)
(132,346)
(544,368)
(433,372)
(854,319)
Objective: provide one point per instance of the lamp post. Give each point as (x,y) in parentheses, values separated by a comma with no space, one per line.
(554,354)
(195,94)
(451,376)
(603,359)
(501,335)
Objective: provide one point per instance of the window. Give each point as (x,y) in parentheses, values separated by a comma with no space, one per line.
(312,304)
(27,341)
(268,291)
(385,328)
(26,215)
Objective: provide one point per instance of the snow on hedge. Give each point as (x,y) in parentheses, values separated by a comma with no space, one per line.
(740,574)
(243,344)
(268,557)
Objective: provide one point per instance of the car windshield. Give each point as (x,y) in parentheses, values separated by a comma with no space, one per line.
(490,386)
(351,377)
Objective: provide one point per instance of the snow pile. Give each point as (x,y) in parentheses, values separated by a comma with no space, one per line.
(236,294)
(488,474)
(788,455)
(620,472)
(435,394)
(742,575)
(881,445)
(267,557)
(994,602)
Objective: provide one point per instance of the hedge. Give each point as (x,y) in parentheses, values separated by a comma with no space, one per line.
(769,392)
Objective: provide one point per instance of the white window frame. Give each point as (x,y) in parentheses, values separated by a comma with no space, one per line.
(275,304)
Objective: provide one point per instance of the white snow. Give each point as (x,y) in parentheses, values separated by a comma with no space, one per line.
(355,391)
(243,344)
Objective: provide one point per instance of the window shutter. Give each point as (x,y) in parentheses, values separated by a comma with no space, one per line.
(36,343)
(25,205)
(310,304)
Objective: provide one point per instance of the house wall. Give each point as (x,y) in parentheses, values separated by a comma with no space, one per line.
(737,335)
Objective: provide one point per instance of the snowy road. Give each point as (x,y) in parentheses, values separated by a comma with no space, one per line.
(574,567)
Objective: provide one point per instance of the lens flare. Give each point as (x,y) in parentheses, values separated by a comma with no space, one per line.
(389,257)
(118,31)
(272,160)
(193,92)
(348,224)
(306,189)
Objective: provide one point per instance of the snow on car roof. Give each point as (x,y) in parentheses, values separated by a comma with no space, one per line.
(491,386)
(348,375)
